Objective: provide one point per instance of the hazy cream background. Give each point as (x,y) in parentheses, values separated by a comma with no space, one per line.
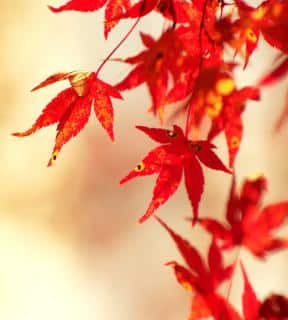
(69,243)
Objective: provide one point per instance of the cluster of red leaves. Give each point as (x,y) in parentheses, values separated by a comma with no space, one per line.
(185,62)
(244,215)
(185,68)
(248,226)
(202,281)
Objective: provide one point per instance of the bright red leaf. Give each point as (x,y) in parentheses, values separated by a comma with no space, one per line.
(163,58)
(217,98)
(275,24)
(250,225)
(268,19)
(179,11)
(209,53)
(71,107)
(80,5)
(113,10)
(175,154)
(227,117)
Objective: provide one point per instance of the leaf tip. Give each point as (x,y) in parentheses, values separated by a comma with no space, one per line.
(53,9)
(145,217)
(22,134)
(125,179)
(195,220)
(122,181)
(16,134)
(53,158)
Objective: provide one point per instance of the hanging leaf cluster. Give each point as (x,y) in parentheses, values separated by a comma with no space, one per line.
(189,71)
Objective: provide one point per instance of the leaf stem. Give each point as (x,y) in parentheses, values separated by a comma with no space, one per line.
(118,45)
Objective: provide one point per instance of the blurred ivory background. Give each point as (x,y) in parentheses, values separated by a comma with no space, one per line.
(70,245)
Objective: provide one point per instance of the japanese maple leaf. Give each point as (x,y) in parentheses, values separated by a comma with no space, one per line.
(274,307)
(275,24)
(248,224)
(113,10)
(247,30)
(180,11)
(80,5)
(216,97)
(202,280)
(227,117)
(162,58)
(177,10)
(198,43)
(268,19)
(116,10)
(279,72)
(143,7)
(71,107)
(209,53)
(175,155)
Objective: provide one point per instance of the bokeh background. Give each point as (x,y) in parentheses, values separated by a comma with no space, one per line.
(70,245)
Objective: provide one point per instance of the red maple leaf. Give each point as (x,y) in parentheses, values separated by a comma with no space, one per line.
(175,155)
(71,107)
(228,117)
(80,5)
(216,97)
(275,24)
(248,224)
(177,10)
(274,307)
(202,280)
(268,19)
(246,29)
(211,55)
(162,58)
(142,8)
(113,10)
(180,11)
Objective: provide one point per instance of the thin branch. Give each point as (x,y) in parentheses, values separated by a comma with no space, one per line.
(118,45)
